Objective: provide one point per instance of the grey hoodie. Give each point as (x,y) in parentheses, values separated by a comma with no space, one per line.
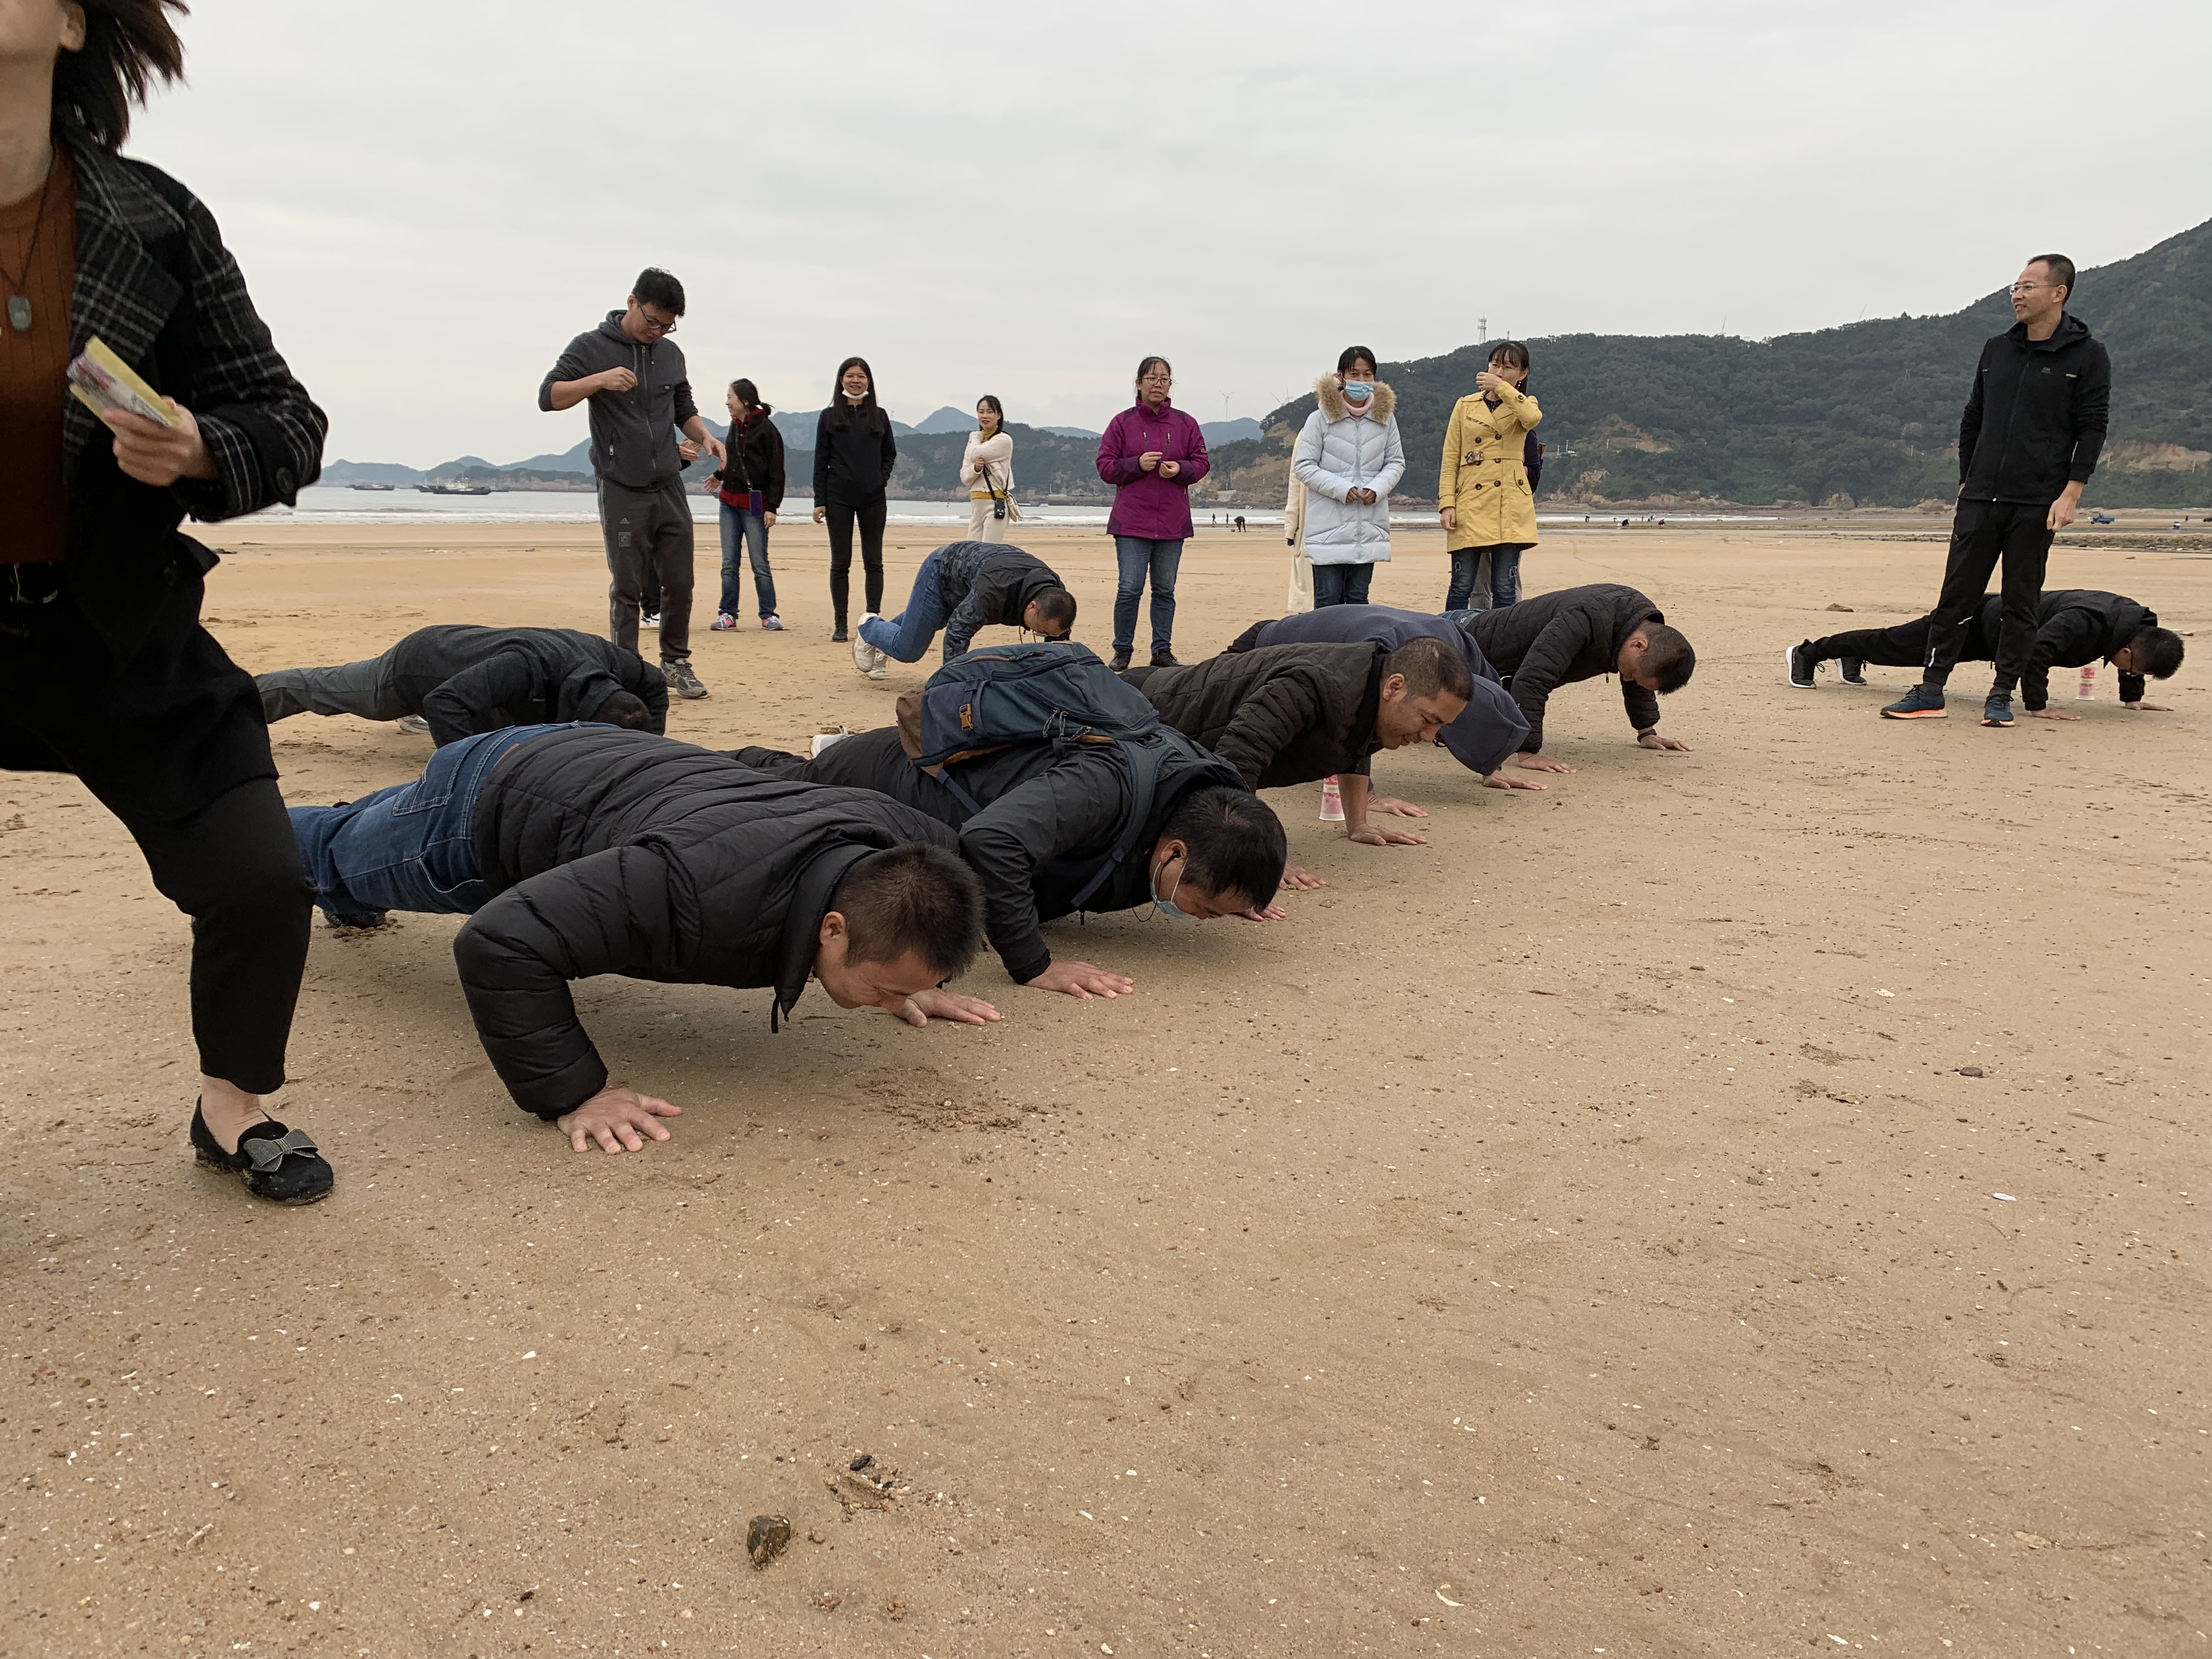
(633,432)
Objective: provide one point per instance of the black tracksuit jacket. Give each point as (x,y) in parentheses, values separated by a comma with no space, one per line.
(2074,628)
(2036,418)
(1575,633)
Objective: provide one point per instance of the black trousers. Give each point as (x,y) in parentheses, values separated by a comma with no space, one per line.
(648,530)
(172,742)
(1983,535)
(870,515)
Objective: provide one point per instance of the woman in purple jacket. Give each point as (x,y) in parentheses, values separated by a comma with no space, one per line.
(1152,454)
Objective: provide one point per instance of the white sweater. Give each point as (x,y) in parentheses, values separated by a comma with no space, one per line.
(997,453)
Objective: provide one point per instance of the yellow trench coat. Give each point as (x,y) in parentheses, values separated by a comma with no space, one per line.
(1482,478)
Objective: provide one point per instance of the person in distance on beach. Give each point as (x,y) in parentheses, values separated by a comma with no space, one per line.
(578,850)
(461,680)
(962,586)
(2033,427)
(1578,634)
(1349,458)
(1151,453)
(2075,627)
(854,451)
(105,668)
(987,467)
(1488,498)
(749,485)
(632,377)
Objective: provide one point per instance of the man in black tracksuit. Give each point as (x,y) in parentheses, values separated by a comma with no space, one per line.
(1051,817)
(2033,427)
(1578,634)
(961,587)
(2074,628)
(462,680)
(579,850)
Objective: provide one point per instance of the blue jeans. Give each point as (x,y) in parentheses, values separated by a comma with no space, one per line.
(1135,556)
(751,528)
(1504,564)
(1341,584)
(408,848)
(906,637)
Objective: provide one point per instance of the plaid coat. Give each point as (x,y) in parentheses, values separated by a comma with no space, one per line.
(155,281)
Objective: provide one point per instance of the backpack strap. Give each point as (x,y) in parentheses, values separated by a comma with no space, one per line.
(1146,755)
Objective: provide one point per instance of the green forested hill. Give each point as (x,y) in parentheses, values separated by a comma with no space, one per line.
(1869,412)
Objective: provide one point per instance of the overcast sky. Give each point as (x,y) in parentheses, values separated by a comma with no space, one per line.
(429,199)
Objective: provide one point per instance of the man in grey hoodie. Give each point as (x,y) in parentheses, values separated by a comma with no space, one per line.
(633,376)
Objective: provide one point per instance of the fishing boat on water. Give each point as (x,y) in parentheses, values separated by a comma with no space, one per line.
(453,490)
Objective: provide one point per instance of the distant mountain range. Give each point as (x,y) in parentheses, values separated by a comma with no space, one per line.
(1866,414)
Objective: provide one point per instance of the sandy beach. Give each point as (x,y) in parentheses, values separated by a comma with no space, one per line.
(1576,1236)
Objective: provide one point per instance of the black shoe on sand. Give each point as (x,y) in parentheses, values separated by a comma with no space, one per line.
(1853,671)
(277,1164)
(1798,667)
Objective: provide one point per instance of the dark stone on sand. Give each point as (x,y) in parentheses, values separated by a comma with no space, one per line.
(1970,1070)
(767,1536)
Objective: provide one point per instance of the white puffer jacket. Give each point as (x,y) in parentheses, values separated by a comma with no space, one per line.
(1341,451)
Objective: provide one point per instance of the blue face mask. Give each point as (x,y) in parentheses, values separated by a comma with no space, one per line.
(1167,906)
(1358,392)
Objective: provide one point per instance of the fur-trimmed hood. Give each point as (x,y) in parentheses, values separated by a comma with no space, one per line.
(1337,407)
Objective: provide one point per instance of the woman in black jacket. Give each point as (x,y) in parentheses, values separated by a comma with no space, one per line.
(105,670)
(751,487)
(854,454)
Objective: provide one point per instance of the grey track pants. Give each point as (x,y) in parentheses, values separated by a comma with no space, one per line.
(362,687)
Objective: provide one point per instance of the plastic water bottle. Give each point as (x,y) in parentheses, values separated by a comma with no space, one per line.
(1332,802)
(2085,689)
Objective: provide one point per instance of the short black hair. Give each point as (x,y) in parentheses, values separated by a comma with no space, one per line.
(2060,269)
(655,286)
(1351,354)
(623,708)
(1669,658)
(914,897)
(1235,839)
(2157,652)
(128,45)
(1056,609)
(1431,667)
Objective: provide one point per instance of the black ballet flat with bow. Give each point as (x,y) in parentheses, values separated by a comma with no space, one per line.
(276,1164)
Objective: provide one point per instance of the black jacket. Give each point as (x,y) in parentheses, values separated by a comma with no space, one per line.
(1575,633)
(2074,628)
(464,679)
(1052,814)
(2036,416)
(633,432)
(853,463)
(1280,716)
(986,584)
(756,461)
(612,851)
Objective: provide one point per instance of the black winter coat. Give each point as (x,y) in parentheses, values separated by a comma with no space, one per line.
(1575,633)
(464,679)
(2036,416)
(985,585)
(1052,814)
(755,462)
(613,852)
(853,463)
(2074,628)
(1280,716)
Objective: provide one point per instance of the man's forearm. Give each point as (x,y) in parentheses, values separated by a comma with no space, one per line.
(1352,789)
(566,394)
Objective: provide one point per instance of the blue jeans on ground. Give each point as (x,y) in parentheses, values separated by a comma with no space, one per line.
(1341,584)
(1136,557)
(751,529)
(408,848)
(906,637)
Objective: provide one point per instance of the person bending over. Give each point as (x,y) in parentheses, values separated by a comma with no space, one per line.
(1289,715)
(2074,628)
(1052,831)
(578,850)
(1578,634)
(461,679)
(962,586)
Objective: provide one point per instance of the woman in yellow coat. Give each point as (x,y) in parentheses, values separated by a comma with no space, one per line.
(1482,494)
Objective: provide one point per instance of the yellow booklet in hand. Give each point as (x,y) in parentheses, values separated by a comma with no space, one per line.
(102,381)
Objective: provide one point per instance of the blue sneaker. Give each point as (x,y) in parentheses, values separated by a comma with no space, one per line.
(1922,703)
(1997,711)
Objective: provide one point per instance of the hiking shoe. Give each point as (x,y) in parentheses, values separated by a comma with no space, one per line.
(773,624)
(414,723)
(1997,711)
(1121,661)
(682,680)
(1798,667)
(1923,702)
(1164,659)
(724,622)
(649,619)
(864,654)
(1853,671)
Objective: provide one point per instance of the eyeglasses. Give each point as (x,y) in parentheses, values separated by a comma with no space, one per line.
(647,319)
(1158,380)
(2030,287)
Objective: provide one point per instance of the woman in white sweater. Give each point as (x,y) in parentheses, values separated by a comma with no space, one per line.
(987,467)
(1349,457)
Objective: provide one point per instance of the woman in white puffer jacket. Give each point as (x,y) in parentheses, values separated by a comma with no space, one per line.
(1350,459)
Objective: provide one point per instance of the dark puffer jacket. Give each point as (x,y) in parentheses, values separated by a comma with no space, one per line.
(986,584)
(612,852)
(2074,628)
(1576,634)
(464,679)
(1052,814)
(1280,716)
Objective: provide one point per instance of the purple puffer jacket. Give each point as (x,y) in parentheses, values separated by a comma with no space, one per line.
(1146,505)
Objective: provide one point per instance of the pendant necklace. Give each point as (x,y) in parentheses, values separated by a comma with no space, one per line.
(19,305)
